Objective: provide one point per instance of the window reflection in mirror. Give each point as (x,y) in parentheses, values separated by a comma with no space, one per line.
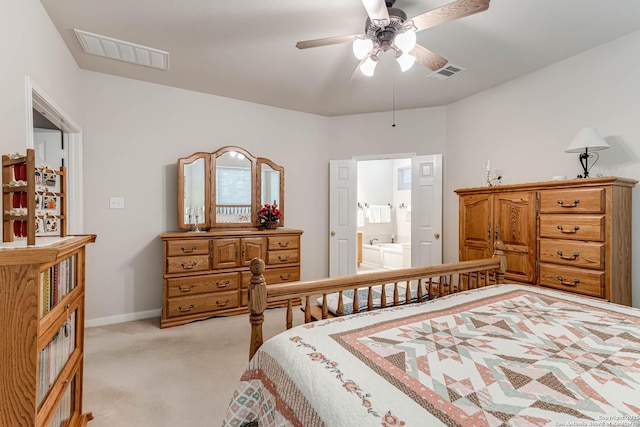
(194,192)
(233,188)
(270,183)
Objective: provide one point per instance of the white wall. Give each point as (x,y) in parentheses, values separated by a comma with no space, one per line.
(524,126)
(135,132)
(31,46)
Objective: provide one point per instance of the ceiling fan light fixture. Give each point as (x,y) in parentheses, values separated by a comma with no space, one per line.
(406,40)
(406,61)
(368,67)
(361,47)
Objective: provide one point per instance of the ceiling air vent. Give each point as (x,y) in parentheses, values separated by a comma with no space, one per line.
(447,72)
(95,44)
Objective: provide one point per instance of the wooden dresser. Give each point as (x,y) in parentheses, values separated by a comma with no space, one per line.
(207,273)
(572,235)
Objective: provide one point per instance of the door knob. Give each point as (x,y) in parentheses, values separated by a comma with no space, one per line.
(436,235)
(333,233)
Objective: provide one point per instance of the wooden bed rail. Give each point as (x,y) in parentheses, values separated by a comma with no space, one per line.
(418,283)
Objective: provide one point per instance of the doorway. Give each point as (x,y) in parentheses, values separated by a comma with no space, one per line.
(410,217)
(43,113)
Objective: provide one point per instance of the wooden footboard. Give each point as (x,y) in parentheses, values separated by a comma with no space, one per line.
(427,283)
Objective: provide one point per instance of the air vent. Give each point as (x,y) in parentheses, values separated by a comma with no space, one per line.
(95,44)
(447,72)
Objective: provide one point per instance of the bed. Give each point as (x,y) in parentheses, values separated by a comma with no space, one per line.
(473,352)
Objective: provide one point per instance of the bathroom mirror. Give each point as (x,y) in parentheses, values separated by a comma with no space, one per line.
(226,188)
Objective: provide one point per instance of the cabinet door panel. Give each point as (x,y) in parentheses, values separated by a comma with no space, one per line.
(253,247)
(475,227)
(226,253)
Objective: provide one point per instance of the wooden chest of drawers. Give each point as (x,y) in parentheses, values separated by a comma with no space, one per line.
(207,274)
(575,233)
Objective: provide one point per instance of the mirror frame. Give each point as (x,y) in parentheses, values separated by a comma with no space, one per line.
(210,188)
(185,161)
(275,167)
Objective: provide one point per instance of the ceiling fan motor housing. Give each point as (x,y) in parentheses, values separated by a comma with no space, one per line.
(383,36)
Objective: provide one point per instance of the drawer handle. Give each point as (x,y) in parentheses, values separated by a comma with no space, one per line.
(185,288)
(572,205)
(185,309)
(281,258)
(570,258)
(285,277)
(188,266)
(188,251)
(575,229)
(283,244)
(562,282)
(222,284)
(222,304)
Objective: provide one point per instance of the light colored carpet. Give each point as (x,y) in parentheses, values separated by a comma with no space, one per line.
(137,374)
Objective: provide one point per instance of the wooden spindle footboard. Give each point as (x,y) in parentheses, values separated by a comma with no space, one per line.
(427,282)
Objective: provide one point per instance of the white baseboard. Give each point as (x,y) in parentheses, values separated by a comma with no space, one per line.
(102,321)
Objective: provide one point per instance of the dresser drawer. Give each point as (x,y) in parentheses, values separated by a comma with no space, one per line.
(283,242)
(201,303)
(586,200)
(275,275)
(582,281)
(187,247)
(283,257)
(576,227)
(202,284)
(187,264)
(582,254)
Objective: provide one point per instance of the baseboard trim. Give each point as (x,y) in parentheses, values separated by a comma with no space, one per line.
(121,318)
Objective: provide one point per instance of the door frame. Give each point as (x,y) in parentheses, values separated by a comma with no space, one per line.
(38,99)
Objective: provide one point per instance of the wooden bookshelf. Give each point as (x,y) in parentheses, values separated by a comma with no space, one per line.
(42,340)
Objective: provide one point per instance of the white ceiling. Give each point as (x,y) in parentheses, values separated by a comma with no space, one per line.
(245,49)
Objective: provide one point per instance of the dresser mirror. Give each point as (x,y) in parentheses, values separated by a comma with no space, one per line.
(226,188)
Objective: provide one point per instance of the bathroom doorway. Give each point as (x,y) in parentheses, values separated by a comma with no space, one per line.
(380,199)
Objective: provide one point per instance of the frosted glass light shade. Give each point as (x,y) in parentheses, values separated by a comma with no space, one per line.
(361,47)
(406,41)
(368,67)
(406,61)
(587,138)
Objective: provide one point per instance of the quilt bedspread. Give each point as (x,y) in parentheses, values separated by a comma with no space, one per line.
(504,355)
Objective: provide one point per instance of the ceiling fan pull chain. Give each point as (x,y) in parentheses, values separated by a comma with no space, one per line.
(393,98)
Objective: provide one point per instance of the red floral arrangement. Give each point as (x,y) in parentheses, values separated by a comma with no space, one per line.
(269,213)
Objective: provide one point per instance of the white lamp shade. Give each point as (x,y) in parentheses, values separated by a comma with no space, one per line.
(368,67)
(587,138)
(406,61)
(406,40)
(361,47)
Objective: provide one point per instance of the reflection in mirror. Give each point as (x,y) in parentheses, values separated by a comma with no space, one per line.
(270,183)
(194,192)
(233,188)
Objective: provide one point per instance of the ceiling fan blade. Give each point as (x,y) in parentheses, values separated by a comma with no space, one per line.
(449,12)
(428,58)
(326,41)
(377,11)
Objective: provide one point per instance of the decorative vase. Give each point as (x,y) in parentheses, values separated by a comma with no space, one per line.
(269,225)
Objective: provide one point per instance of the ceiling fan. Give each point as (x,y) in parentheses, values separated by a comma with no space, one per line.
(388,29)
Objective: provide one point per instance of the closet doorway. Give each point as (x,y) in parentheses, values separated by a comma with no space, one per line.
(385,212)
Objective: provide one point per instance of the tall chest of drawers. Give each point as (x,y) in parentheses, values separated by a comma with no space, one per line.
(207,274)
(579,234)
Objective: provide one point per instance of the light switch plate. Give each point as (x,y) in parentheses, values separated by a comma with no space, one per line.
(116,202)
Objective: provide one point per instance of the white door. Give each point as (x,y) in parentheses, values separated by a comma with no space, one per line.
(47,144)
(342,217)
(426,210)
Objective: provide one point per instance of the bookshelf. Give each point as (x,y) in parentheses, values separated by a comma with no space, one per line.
(42,340)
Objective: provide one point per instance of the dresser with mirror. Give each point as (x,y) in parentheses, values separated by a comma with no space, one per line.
(206,264)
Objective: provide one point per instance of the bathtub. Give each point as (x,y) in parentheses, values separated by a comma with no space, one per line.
(387,255)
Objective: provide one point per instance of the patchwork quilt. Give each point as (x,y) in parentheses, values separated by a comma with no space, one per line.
(504,355)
